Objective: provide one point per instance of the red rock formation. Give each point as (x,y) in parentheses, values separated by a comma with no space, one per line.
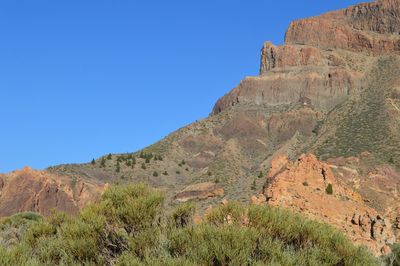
(301,186)
(370,27)
(39,191)
(323,58)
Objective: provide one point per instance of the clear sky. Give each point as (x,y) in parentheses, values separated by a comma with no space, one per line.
(82,78)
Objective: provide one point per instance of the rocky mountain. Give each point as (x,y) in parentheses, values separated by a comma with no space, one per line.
(40,191)
(332,89)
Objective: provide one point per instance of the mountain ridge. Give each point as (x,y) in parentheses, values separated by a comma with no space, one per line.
(332,89)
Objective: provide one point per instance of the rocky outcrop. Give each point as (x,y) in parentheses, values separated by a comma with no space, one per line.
(200,191)
(308,186)
(273,57)
(372,28)
(325,88)
(323,59)
(41,192)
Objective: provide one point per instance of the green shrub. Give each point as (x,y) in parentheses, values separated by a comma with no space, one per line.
(183,215)
(20,218)
(233,212)
(41,229)
(128,227)
(210,245)
(329,189)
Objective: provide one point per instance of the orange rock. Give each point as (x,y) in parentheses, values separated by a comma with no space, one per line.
(40,191)
(301,186)
(386,250)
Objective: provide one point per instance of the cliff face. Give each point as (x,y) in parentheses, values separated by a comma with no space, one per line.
(323,59)
(39,191)
(371,28)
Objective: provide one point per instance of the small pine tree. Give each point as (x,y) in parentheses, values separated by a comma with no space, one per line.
(216,181)
(187,169)
(183,162)
(144,166)
(93,162)
(329,189)
(209,173)
(109,156)
(128,163)
(155,174)
(165,173)
(178,172)
(391,160)
(261,174)
(160,158)
(147,160)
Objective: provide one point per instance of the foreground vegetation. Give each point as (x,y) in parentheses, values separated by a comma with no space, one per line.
(128,227)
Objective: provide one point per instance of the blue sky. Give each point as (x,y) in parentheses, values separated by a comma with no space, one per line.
(82,78)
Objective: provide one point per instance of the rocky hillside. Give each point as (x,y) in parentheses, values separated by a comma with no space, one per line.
(333,90)
(311,187)
(40,191)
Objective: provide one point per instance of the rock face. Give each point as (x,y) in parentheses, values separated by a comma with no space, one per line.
(200,191)
(323,57)
(39,191)
(371,28)
(303,187)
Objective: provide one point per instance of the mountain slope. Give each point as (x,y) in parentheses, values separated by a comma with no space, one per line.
(332,89)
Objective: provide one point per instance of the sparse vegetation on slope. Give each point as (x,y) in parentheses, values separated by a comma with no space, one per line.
(366,123)
(128,227)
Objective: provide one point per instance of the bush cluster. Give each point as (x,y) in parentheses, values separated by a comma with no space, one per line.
(128,227)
